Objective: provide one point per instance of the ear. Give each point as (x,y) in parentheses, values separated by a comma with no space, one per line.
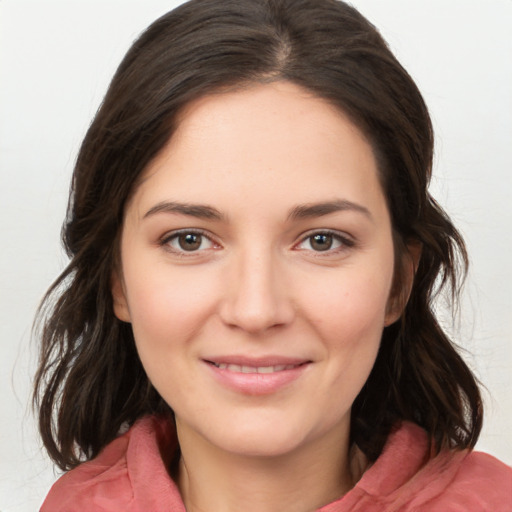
(119,298)
(403,282)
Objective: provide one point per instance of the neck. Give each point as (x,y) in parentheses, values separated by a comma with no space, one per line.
(211,480)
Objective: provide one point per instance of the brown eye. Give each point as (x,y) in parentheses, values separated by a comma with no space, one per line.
(190,241)
(321,242)
(325,241)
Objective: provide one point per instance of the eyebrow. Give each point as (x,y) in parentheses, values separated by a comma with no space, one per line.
(194,210)
(305,211)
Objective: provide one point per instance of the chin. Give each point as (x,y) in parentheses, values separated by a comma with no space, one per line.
(262,436)
(261,444)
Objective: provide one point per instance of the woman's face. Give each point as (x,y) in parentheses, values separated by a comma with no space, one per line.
(257,263)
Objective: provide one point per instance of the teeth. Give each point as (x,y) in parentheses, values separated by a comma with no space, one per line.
(254,369)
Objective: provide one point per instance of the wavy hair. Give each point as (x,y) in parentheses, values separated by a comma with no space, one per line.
(90,380)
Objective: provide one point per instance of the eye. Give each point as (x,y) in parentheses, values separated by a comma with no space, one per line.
(323,241)
(188,241)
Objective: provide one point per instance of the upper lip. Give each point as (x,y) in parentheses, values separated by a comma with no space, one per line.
(257,362)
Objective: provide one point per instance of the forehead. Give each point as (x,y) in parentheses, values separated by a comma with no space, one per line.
(267,140)
(257,114)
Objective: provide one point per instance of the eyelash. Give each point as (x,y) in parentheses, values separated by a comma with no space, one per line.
(344,241)
(169,237)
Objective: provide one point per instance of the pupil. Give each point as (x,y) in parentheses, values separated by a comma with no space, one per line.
(190,241)
(321,242)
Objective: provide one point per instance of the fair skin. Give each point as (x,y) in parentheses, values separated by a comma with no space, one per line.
(257,264)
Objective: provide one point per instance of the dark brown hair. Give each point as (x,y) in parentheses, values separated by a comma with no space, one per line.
(90,380)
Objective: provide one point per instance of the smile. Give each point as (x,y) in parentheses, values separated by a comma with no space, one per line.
(254,369)
(256,376)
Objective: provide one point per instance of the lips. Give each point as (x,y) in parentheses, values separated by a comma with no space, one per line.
(256,376)
(264,364)
(254,369)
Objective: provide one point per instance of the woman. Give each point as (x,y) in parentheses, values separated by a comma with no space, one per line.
(254,256)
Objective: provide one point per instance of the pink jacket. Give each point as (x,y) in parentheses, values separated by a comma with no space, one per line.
(129,476)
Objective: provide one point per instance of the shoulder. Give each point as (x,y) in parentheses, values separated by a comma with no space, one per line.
(128,475)
(92,482)
(481,482)
(406,479)
(469,481)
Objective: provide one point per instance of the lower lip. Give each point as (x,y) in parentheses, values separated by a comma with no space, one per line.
(257,384)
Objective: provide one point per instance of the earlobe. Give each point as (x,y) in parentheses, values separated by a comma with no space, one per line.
(119,298)
(403,282)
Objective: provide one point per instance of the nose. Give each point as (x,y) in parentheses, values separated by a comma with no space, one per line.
(256,298)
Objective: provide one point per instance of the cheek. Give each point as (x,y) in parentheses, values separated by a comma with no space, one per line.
(354,303)
(168,312)
(167,308)
(349,317)
(351,332)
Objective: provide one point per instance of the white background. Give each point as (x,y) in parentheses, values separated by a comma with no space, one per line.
(56,58)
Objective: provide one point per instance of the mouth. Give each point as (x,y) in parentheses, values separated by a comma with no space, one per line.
(254,369)
(257,376)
